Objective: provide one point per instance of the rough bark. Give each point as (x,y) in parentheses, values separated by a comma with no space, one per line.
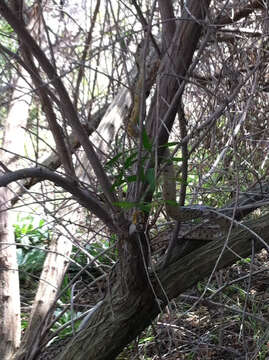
(173,69)
(114,324)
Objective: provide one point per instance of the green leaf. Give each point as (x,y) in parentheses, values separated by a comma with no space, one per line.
(150,177)
(113,161)
(41,223)
(118,180)
(146,207)
(131,178)
(146,141)
(125,204)
(130,160)
(175,143)
(146,339)
(177,159)
(171,202)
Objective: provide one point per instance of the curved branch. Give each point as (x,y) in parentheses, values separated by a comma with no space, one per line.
(53,161)
(84,197)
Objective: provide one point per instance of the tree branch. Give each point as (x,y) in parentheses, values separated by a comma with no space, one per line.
(185,272)
(55,128)
(53,161)
(84,197)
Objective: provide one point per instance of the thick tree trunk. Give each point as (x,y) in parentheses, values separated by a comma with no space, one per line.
(10,324)
(114,324)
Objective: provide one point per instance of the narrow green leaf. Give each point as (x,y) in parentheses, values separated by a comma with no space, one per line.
(171,202)
(175,143)
(125,204)
(146,207)
(131,178)
(150,177)
(177,159)
(119,180)
(146,141)
(130,160)
(113,160)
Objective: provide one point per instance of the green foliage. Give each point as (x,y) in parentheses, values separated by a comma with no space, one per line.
(123,177)
(151,179)
(97,248)
(24,320)
(7,37)
(65,298)
(66,317)
(146,141)
(130,160)
(113,161)
(30,230)
(120,165)
(244,261)
(31,236)
(100,251)
(127,205)
(30,263)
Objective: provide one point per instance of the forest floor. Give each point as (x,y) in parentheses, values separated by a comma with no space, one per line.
(202,324)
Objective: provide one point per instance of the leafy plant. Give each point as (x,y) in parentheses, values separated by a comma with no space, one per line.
(31,235)
(65,318)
